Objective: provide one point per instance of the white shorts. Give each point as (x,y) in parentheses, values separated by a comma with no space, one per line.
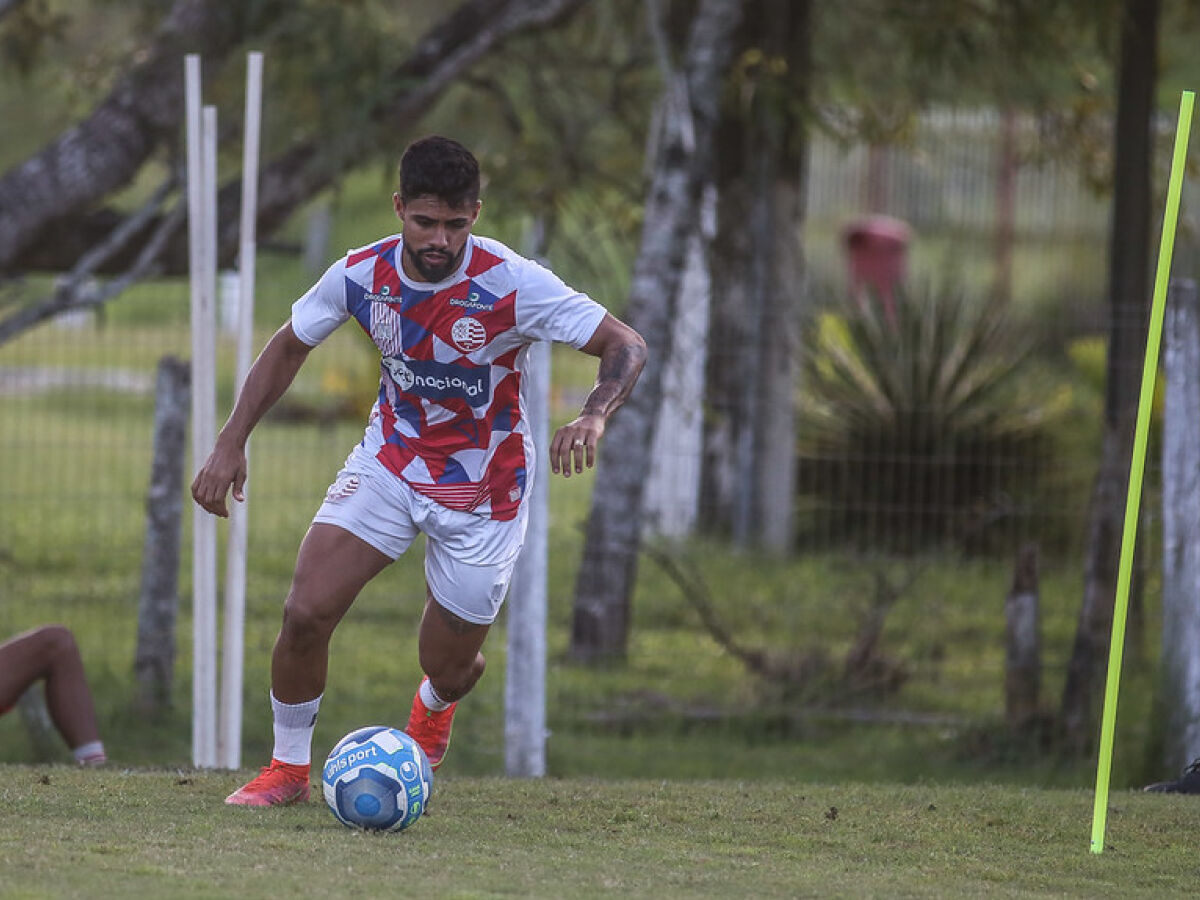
(469,559)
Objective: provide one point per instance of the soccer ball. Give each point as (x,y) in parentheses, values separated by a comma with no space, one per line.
(377,778)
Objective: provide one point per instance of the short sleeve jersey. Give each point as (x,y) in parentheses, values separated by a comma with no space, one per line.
(449,418)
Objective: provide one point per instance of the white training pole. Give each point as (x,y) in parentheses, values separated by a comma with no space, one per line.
(191,73)
(203,311)
(525,681)
(230,734)
(206,387)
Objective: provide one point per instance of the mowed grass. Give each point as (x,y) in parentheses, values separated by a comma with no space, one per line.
(166,834)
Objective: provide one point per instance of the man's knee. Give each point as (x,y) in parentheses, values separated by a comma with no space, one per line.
(452,678)
(305,620)
(56,642)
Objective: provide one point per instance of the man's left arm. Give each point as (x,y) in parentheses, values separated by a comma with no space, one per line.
(622,353)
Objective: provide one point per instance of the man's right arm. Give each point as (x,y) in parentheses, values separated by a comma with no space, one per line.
(266,382)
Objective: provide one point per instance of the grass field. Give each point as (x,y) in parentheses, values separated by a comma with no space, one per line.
(166,834)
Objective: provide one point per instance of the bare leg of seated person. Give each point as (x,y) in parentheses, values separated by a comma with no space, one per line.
(50,654)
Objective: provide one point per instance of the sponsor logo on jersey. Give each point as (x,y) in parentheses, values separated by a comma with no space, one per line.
(441,381)
(474,300)
(468,334)
(384,295)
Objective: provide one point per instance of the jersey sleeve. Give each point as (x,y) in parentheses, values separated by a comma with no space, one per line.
(323,308)
(549,310)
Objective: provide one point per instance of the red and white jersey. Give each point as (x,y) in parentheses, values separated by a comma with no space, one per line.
(449,418)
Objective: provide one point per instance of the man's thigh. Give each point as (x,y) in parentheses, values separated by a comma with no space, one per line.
(366,500)
(469,561)
(332,567)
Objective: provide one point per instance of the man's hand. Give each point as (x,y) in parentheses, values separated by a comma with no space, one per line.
(575,443)
(265,383)
(224,468)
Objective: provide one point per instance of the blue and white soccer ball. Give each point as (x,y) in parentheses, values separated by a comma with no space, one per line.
(377,778)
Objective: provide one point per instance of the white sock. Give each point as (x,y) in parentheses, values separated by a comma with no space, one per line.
(294,724)
(429,697)
(90,754)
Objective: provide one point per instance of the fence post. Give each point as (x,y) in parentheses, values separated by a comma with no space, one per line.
(1023,644)
(1181,519)
(525,681)
(154,658)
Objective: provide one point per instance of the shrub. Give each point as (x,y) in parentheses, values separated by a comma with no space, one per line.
(920,431)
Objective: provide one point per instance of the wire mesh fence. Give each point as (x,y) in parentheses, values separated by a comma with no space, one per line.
(888,607)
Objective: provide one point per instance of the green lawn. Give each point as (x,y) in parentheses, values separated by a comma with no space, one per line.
(166,834)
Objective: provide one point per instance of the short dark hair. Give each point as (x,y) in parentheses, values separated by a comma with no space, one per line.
(440,167)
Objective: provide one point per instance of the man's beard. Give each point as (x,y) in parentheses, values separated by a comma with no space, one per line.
(433,271)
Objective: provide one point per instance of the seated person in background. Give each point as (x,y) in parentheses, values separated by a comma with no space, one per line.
(50,653)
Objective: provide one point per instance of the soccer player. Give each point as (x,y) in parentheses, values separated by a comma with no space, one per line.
(447,449)
(49,654)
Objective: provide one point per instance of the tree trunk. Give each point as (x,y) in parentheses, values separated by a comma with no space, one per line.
(1129,267)
(753,370)
(604,587)
(1181,523)
(785,166)
(154,657)
(672,500)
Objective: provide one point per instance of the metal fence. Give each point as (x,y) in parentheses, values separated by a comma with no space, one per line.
(76,400)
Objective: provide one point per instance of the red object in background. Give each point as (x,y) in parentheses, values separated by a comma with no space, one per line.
(877,253)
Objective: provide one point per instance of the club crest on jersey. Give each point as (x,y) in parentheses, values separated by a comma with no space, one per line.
(468,334)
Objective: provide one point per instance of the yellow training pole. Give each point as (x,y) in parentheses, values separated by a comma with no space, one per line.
(1137,470)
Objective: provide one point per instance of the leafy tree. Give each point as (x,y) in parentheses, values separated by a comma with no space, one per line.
(41,223)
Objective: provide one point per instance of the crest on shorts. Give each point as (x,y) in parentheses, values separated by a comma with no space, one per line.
(343,487)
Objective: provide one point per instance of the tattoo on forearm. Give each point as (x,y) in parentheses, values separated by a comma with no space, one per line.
(618,372)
